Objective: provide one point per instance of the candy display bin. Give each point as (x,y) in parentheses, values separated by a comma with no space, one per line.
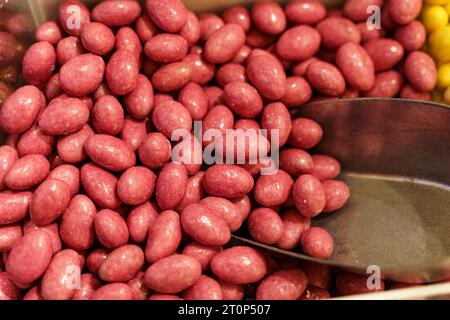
(432,161)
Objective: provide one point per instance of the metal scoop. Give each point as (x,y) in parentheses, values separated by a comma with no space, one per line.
(396,159)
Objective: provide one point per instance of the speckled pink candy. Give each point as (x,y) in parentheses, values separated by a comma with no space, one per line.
(77,223)
(224,44)
(110,152)
(140,219)
(171,185)
(164,236)
(238,15)
(225,209)
(336,193)
(111,229)
(100,186)
(173,274)
(155,150)
(8,155)
(201,70)
(193,98)
(317,243)
(166,48)
(420,70)
(206,288)
(268,17)
(243,99)
(171,115)
(296,161)
(138,287)
(27,172)
(268,76)
(64,116)
(71,147)
(9,236)
(65,14)
(294,224)
(97,38)
(305,11)
(136,185)
(285,284)
(305,133)
(191,29)
(68,174)
(172,76)
(122,72)
(56,283)
(326,78)
(51,229)
(23,265)
(96,258)
(134,131)
(204,225)
(232,291)
(8,291)
(309,195)
(108,115)
(14,206)
(88,284)
(202,253)
(88,69)
(356,66)
(39,63)
(116,13)
(385,53)
(231,72)
(344,30)
(227,181)
(239,265)
(113,291)
(34,141)
(194,190)
(20,109)
(169,15)
(49,201)
(49,31)
(139,102)
(122,264)
(265,225)
(298,43)
(387,85)
(68,48)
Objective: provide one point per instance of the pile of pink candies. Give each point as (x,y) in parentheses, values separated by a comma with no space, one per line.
(93,207)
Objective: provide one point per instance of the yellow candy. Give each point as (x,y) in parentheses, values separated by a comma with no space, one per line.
(434,17)
(437,2)
(443,76)
(443,55)
(439,43)
(447,7)
(447,96)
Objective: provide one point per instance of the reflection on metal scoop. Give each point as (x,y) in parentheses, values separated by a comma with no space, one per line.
(396,156)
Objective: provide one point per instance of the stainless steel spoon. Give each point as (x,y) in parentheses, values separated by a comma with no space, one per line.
(396,159)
